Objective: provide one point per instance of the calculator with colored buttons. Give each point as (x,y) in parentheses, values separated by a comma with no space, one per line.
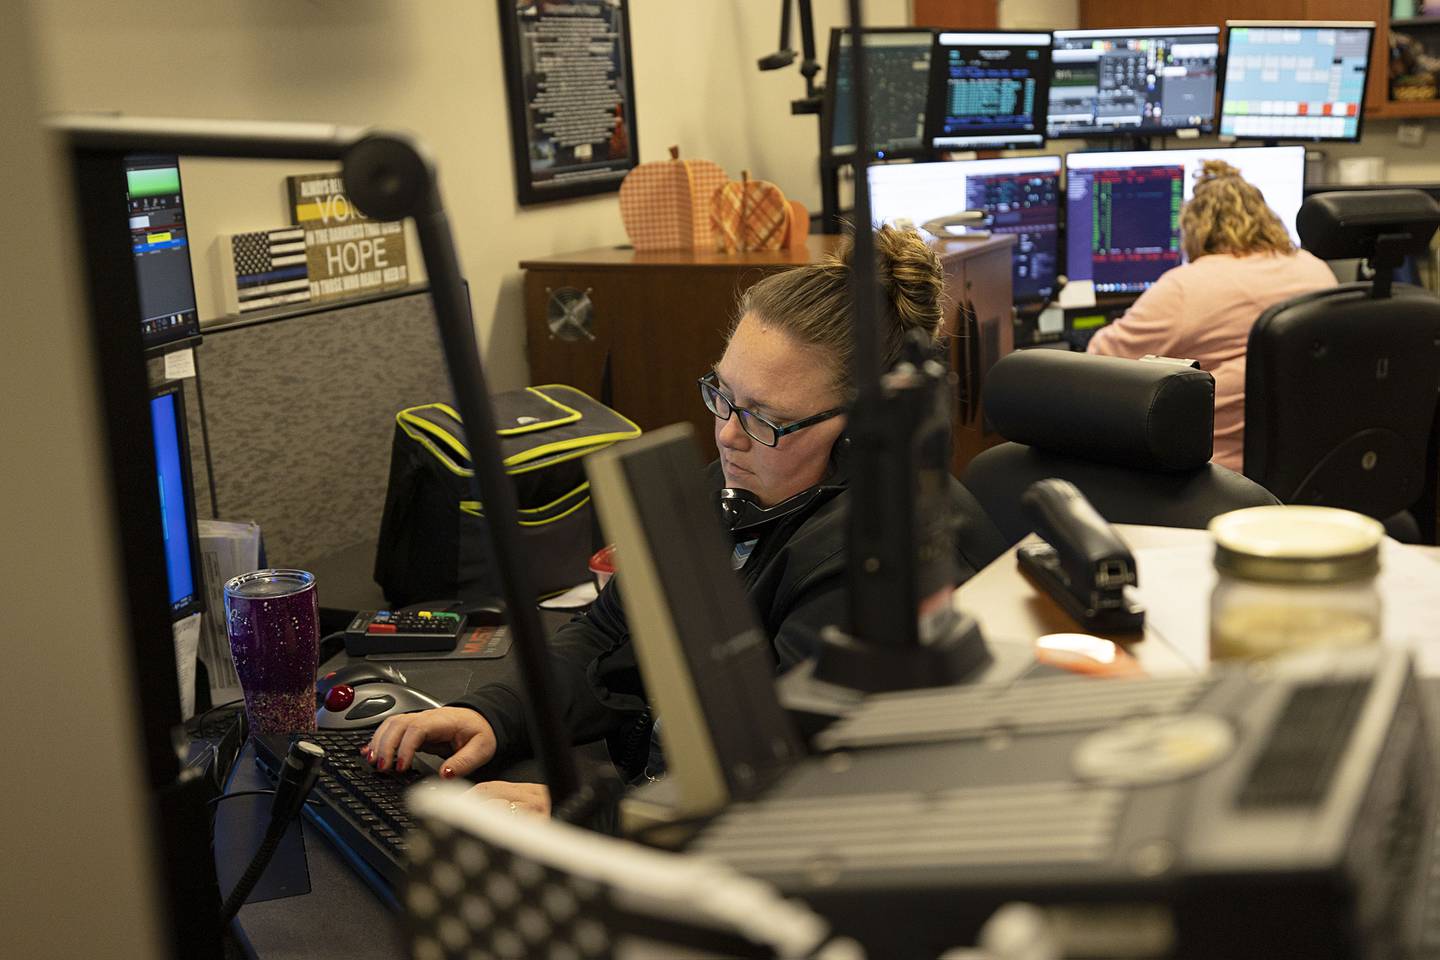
(410,631)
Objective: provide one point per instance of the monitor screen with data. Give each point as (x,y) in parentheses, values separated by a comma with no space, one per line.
(1154,80)
(991,90)
(897,66)
(1122,210)
(160,245)
(1021,196)
(1295,81)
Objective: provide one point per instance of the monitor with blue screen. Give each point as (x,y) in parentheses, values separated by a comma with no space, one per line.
(1295,81)
(1021,195)
(177,503)
(1122,210)
(992,90)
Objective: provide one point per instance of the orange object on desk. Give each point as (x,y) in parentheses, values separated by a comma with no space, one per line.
(666,205)
(1083,653)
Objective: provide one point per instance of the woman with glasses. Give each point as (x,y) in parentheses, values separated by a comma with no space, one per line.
(779,394)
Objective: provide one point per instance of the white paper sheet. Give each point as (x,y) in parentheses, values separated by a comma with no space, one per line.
(180,364)
(187,648)
(1078,293)
(580,595)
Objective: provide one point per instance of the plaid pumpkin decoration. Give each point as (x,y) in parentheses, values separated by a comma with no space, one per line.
(750,215)
(666,205)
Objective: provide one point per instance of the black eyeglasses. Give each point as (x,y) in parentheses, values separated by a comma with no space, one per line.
(758,428)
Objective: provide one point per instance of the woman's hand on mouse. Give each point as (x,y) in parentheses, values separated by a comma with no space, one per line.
(465,733)
(516,797)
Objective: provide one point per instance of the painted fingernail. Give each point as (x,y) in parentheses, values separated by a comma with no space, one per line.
(381,763)
(447,772)
(400,765)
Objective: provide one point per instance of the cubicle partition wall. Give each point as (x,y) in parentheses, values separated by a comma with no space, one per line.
(300,411)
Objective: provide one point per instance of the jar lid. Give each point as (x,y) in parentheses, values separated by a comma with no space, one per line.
(1297,544)
(269,584)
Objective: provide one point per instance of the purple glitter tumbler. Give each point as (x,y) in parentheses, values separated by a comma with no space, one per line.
(273,619)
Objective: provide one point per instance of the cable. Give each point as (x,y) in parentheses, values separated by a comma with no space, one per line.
(239,793)
(297,777)
(197,723)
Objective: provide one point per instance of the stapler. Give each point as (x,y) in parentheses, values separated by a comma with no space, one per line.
(1083,564)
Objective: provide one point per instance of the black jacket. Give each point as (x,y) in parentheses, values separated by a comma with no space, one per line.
(795,575)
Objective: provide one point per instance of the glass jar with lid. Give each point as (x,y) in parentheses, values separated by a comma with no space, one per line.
(1292,577)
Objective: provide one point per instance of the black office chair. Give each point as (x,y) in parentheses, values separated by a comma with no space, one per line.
(1136,437)
(1341,385)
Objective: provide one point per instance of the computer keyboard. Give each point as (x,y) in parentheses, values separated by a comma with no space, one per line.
(361,811)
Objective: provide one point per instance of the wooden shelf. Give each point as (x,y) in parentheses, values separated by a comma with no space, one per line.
(1409,22)
(1404,110)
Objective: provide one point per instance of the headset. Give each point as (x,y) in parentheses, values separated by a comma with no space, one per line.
(741,511)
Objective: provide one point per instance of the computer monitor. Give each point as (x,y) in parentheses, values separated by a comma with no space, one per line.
(1021,195)
(1153,80)
(177,502)
(160,242)
(897,64)
(1295,81)
(991,90)
(1122,210)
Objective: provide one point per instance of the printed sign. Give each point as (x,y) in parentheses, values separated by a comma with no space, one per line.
(346,253)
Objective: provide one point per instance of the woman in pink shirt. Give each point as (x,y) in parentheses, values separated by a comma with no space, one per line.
(1241,261)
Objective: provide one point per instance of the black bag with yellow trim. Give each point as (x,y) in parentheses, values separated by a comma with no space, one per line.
(433,542)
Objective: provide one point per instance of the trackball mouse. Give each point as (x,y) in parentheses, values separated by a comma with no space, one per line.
(366,705)
(354,674)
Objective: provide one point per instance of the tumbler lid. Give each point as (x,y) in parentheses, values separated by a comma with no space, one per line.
(269,584)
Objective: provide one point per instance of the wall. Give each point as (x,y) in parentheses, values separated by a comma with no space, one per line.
(77,880)
(432,66)
(1039,14)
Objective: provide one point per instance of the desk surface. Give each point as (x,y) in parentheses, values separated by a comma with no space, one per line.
(1011,611)
(341,917)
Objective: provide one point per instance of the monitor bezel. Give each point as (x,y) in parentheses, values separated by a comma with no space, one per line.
(827,100)
(196,603)
(1143,130)
(188,335)
(1302,24)
(1016,140)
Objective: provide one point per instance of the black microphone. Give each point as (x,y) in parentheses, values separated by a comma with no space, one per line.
(297,778)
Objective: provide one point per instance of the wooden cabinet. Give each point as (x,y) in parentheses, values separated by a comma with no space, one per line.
(657,321)
(955,14)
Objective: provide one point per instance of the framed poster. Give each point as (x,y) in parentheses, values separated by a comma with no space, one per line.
(571,95)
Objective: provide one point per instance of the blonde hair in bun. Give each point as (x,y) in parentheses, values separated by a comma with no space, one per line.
(813,303)
(1228,214)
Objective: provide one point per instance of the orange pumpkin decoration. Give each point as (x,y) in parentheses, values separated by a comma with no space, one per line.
(750,215)
(798,227)
(666,205)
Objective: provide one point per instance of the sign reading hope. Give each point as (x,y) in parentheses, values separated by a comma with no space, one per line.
(347,254)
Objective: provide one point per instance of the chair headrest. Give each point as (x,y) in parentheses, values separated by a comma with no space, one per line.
(1345,224)
(1142,414)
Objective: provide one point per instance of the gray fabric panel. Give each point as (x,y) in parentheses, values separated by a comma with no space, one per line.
(301,413)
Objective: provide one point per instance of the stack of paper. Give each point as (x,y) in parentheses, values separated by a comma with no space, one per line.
(227,549)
